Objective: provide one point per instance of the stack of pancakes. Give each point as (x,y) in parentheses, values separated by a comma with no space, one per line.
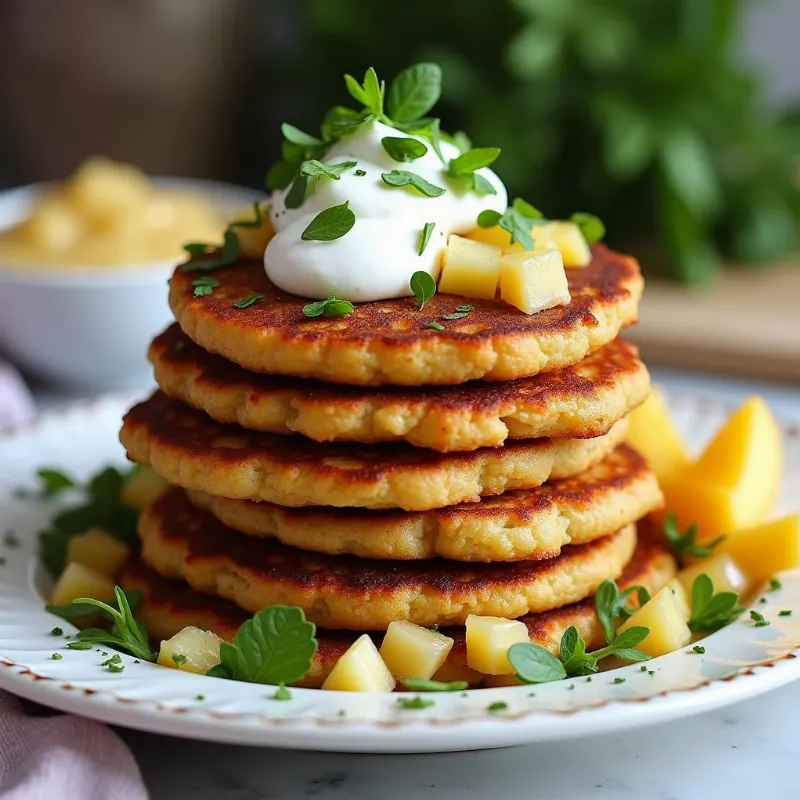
(372,468)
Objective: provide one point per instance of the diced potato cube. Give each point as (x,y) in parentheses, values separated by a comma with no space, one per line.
(192,650)
(765,549)
(99,550)
(78,580)
(143,488)
(681,597)
(488,640)
(725,574)
(496,236)
(652,433)
(566,237)
(360,669)
(411,651)
(253,241)
(665,618)
(470,269)
(534,280)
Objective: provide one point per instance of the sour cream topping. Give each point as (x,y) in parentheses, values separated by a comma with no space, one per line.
(377,257)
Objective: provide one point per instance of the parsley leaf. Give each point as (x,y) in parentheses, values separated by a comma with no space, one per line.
(330,224)
(275,646)
(684,545)
(592,227)
(775,584)
(425,236)
(402,177)
(250,300)
(414,92)
(413,703)
(498,705)
(611,605)
(402,148)
(204,286)
(282,693)
(760,620)
(314,168)
(699,649)
(331,307)
(423,685)
(423,286)
(711,611)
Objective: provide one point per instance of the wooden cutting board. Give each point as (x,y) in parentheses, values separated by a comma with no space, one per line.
(747,322)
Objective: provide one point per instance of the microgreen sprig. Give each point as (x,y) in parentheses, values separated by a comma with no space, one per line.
(613,607)
(684,545)
(711,611)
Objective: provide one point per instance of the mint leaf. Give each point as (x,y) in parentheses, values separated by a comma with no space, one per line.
(425,236)
(414,92)
(331,307)
(402,148)
(314,168)
(330,224)
(276,646)
(468,162)
(423,685)
(592,227)
(296,136)
(535,664)
(401,177)
(423,286)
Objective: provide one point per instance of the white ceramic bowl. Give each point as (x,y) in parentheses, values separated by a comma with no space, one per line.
(88,329)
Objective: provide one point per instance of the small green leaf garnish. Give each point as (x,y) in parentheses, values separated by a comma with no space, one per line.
(282,693)
(53,482)
(296,136)
(535,664)
(425,236)
(275,646)
(499,705)
(775,584)
(517,221)
(361,173)
(711,611)
(56,632)
(297,192)
(423,685)
(56,657)
(437,326)
(592,227)
(315,169)
(250,300)
(414,703)
(401,177)
(403,148)
(200,697)
(526,209)
(204,286)
(465,309)
(370,93)
(178,659)
(468,162)
(699,649)
(759,619)
(684,545)
(331,307)
(456,315)
(785,613)
(414,92)
(424,288)
(75,611)
(80,645)
(612,606)
(330,224)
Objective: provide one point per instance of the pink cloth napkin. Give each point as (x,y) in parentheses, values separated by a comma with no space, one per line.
(64,757)
(56,756)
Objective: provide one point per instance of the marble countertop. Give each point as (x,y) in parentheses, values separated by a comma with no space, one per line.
(746,750)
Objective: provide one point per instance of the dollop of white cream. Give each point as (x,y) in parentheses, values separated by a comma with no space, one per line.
(376,258)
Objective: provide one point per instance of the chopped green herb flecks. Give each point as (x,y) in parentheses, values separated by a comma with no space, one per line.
(250,300)
(79,645)
(787,612)
(497,707)
(282,693)
(423,685)
(56,657)
(759,619)
(413,703)
(56,632)
(437,326)
(200,697)
(699,649)
(178,659)
(617,681)
(425,236)
(331,307)
(203,287)
(775,584)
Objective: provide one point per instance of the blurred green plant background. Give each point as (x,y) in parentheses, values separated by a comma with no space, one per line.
(641,111)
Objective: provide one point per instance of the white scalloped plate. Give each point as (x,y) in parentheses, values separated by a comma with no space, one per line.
(740,661)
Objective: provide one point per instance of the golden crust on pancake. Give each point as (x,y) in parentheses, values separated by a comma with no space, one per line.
(389,341)
(189,449)
(180,540)
(579,401)
(170,605)
(531,524)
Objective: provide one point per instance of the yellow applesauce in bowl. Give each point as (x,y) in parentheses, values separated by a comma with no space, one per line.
(109,214)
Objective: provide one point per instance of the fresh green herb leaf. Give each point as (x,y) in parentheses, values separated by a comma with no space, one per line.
(775,584)
(785,613)
(56,632)
(75,611)
(762,600)
(499,705)
(481,185)
(401,148)
(356,90)
(204,286)
(330,224)
(361,173)
(414,703)
(80,645)
(425,236)
(331,307)
(684,545)
(423,685)
(592,227)
(464,165)
(612,606)
(116,667)
(225,255)
(619,680)
(178,659)
(514,221)
(370,94)
(711,611)
(401,177)
(526,209)
(423,286)
(282,693)
(414,92)
(53,482)
(115,659)
(200,697)
(250,300)
(456,315)
(56,657)
(340,121)
(465,309)
(297,192)
(296,136)
(276,646)
(489,218)
(760,620)
(314,169)
(437,326)
(699,649)
(461,141)
(281,174)
(535,664)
